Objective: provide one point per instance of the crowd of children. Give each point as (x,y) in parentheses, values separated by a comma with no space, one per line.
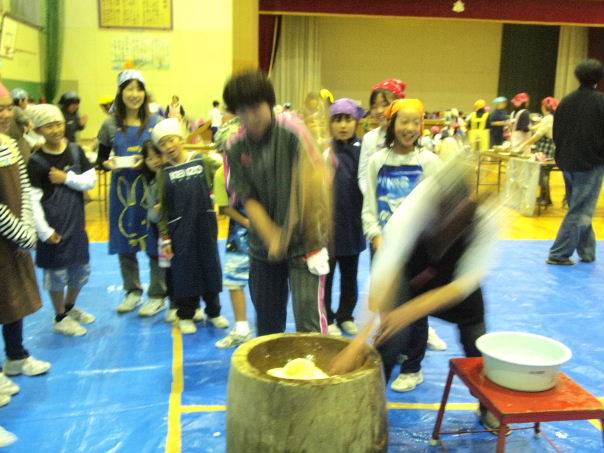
(300,204)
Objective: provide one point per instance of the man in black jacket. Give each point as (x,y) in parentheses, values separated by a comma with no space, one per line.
(579,138)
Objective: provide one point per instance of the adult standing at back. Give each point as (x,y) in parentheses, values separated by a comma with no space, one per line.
(215,118)
(579,138)
(124,132)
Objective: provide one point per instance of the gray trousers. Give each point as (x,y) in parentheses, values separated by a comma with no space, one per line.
(269,284)
(131,276)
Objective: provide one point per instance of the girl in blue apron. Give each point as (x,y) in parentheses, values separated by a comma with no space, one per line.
(125,132)
(189,229)
(393,172)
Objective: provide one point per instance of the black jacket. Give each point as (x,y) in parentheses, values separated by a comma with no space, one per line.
(579,130)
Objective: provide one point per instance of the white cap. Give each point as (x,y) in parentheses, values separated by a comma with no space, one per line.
(43,114)
(130,74)
(169,126)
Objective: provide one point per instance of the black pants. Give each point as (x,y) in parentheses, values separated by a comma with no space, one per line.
(13,341)
(349,292)
(406,342)
(186,306)
(269,292)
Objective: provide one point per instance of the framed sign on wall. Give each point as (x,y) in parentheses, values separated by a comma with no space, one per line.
(141,14)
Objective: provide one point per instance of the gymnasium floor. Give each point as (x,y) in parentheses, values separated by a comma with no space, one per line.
(136,385)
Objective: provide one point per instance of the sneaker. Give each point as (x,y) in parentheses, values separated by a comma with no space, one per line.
(232,340)
(171,315)
(81,316)
(7,387)
(28,367)
(200,316)
(490,422)
(70,327)
(334,330)
(560,261)
(6,438)
(435,342)
(130,302)
(187,326)
(406,382)
(4,400)
(349,327)
(153,306)
(587,260)
(220,322)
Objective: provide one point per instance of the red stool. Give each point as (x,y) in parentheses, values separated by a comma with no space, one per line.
(567,401)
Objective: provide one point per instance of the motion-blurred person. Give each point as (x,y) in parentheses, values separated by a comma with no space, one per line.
(437,249)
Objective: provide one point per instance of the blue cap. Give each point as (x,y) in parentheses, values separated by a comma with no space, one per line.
(500,99)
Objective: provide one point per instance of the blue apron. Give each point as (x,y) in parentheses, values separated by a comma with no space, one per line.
(128,225)
(394,184)
(64,212)
(195,267)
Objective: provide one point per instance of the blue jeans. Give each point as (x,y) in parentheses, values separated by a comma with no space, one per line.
(576,231)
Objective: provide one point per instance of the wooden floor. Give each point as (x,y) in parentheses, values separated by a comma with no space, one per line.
(517,226)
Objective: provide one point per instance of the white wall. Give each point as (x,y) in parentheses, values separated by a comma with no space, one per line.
(200,56)
(445,63)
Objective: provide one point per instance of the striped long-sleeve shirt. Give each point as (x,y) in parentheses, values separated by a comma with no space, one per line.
(18,229)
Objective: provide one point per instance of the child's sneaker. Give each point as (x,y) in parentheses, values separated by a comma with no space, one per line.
(171,315)
(4,399)
(130,302)
(153,306)
(435,342)
(334,330)
(406,382)
(81,316)
(7,387)
(232,340)
(220,322)
(6,438)
(187,326)
(70,327)
(200,316)
(28,367)
(349,327)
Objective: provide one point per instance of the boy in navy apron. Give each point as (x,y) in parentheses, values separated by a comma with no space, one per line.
(60,173)
(188,229)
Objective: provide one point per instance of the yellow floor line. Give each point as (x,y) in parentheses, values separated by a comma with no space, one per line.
(596,423)
(174,439)
(202,408)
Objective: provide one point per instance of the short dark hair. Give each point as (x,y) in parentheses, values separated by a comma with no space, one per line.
(589,72)
(215,103)
(247,89)
(148,148)
(388,95)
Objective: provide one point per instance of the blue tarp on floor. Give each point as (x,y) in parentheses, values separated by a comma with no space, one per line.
(109,391)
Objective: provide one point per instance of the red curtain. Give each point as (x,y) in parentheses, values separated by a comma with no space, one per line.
(531,11)
(268,30)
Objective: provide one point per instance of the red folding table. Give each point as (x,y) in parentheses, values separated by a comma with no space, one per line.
(567,401)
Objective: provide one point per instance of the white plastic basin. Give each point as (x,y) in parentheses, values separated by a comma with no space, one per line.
(522,361)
